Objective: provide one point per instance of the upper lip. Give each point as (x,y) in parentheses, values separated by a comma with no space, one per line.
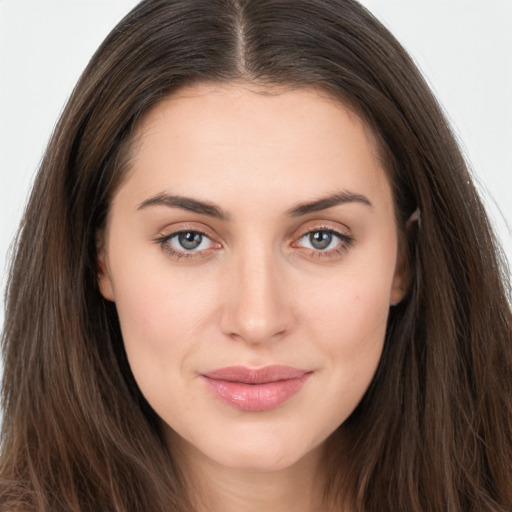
(263,375)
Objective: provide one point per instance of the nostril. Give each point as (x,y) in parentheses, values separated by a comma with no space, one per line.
(255,325)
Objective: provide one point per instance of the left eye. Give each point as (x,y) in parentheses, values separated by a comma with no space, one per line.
(189,241)
(321,240)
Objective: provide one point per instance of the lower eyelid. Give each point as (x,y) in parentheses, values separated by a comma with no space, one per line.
(180,254)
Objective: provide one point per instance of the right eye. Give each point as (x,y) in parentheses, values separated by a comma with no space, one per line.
(187,243)
(321,240)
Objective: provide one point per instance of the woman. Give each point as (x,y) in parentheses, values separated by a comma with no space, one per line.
(254,274)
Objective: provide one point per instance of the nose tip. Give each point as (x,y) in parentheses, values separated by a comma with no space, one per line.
(258,308)
(255,331)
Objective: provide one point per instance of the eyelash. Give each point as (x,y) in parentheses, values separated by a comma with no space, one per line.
(165,242)
(345,241)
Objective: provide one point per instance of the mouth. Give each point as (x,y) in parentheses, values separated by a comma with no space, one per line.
(254,390)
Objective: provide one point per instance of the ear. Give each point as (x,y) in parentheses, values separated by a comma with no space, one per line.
(104,281)
(401,278)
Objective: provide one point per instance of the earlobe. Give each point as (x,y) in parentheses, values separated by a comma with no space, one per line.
(398,291)
(104,281)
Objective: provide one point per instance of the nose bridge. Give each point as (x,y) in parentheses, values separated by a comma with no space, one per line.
(257,309)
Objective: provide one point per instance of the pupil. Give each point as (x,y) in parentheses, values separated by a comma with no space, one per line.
(190,240)
(320,239)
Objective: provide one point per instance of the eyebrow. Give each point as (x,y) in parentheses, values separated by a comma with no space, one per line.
(212,210)
(186,203)
(328,202)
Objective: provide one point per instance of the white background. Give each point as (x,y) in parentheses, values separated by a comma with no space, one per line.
(464,47)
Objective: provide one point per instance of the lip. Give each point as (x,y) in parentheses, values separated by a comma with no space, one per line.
(258,389)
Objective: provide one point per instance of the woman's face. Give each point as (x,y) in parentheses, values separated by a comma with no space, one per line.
(252,255)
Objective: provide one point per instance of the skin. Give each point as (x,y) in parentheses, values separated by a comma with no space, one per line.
(256,291)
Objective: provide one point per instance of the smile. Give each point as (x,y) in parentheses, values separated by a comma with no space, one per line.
(256,390)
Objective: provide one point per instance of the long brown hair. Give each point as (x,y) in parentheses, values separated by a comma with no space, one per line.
(433,432)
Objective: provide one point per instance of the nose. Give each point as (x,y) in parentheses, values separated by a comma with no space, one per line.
(257,305)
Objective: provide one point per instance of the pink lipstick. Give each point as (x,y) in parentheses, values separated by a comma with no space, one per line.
(258,389)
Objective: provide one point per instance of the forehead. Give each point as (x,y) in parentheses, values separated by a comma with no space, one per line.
(239,104)
(299,141)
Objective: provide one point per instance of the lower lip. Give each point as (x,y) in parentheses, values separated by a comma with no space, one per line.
(256,397)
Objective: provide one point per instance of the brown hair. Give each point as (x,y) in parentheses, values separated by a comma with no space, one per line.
(433,432)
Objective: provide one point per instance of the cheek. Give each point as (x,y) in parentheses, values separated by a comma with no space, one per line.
(353,338)
(351,311)
(161,321)
(349,323)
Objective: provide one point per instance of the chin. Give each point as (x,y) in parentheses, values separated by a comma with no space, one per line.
(260,462)
(265,454)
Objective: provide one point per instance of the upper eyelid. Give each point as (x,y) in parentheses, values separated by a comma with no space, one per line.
(344,238)
(323,228)
(298,233)
(312,226)
(170,236)
(170,231)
